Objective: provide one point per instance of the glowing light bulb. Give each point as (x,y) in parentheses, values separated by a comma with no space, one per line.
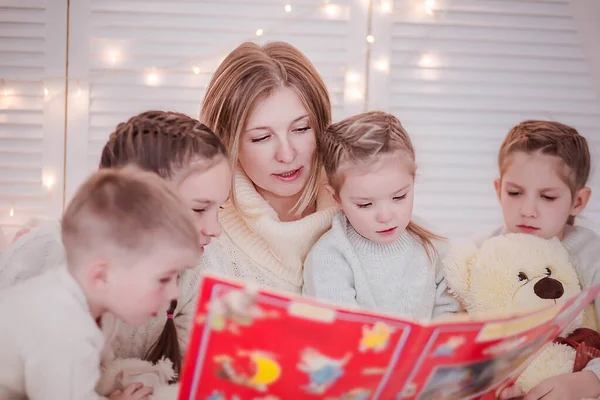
(333,10)
(370,39)
(49,181)
(427,60)
(11,212)
(46,91)
(386,6)
(288,8)
(429,11)
(430,3)
(113,56)
(259,32)
(353,77)
(382,65)
(152,78)
(196,70)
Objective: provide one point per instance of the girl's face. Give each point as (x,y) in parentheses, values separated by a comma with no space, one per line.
(278,147)
(204,192)
(534,198)
(378,199)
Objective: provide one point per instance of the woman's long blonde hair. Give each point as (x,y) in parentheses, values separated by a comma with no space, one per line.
(251,73)
(362,138)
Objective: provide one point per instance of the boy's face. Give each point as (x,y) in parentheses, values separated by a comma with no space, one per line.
(378,199)
(138,291)
(534,198)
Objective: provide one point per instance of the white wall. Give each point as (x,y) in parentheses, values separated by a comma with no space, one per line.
(458,77)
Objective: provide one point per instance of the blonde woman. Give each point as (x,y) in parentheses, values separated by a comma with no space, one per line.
(268,104)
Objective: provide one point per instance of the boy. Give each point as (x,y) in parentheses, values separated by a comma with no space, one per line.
(127,236)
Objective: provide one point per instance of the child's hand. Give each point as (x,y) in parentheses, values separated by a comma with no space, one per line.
(512,392)
(575,386)
(133,391)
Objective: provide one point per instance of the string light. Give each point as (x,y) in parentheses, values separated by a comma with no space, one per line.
(288,8)
(113,56)
(370,39)
(429,5)
(353,77)
(11,212)
(427,61)
(382,65)
(196,70)
(152,78)
(333,10)
(259,32)
(48,182)
(46,91)
(386,6)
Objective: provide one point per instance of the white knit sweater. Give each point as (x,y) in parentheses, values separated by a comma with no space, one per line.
(398,278)
(50,345)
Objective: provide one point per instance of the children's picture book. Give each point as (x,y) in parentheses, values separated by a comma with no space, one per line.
(258,344)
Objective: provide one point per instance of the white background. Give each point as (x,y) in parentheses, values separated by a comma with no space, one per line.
(458,77)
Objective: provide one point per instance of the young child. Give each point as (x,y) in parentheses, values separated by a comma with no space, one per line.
(126,236)
(544,168)
(375,256)
(192,159)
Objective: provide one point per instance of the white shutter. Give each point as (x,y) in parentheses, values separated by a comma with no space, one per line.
(461,77)
(32,60)
(160,54)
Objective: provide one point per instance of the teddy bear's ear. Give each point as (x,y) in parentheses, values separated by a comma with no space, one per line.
(457,268)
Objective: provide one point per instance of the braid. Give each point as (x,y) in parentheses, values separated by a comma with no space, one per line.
(161,142)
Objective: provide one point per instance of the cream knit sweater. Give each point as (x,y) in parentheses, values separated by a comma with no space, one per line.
(256,247)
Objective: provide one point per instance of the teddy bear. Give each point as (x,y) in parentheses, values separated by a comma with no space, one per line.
(513,273)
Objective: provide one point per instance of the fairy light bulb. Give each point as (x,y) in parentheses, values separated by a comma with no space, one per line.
(288,8)
(259,32)
(46,91)
(196,70)
(370,39)
(382,65)
(152,78)
(49,182)
(386,6)
(353,77)
(11,212)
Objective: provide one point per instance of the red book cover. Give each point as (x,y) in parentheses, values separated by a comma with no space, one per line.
(250,343)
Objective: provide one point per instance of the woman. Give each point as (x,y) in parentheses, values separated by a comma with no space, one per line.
(268,104)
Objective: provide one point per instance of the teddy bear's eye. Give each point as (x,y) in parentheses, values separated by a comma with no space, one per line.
(522,277)
(548,272)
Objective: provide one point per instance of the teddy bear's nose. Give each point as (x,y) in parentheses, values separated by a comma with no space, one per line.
(548,288)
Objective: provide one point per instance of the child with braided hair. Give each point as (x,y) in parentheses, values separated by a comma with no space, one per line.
(194,161)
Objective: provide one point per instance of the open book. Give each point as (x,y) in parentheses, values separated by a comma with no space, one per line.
(250,343)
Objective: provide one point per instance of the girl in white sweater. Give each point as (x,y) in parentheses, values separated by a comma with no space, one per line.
(269,105)
(375,256)
(127,236)
(193,160)
(544,168)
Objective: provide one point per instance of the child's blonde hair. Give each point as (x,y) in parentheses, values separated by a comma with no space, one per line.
(248,75)
(554,139)
(126,209)
(363,138)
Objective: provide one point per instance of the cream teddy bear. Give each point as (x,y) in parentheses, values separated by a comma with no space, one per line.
(516,273)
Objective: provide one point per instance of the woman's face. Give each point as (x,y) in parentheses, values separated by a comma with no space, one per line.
(278,146)
(204,192)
